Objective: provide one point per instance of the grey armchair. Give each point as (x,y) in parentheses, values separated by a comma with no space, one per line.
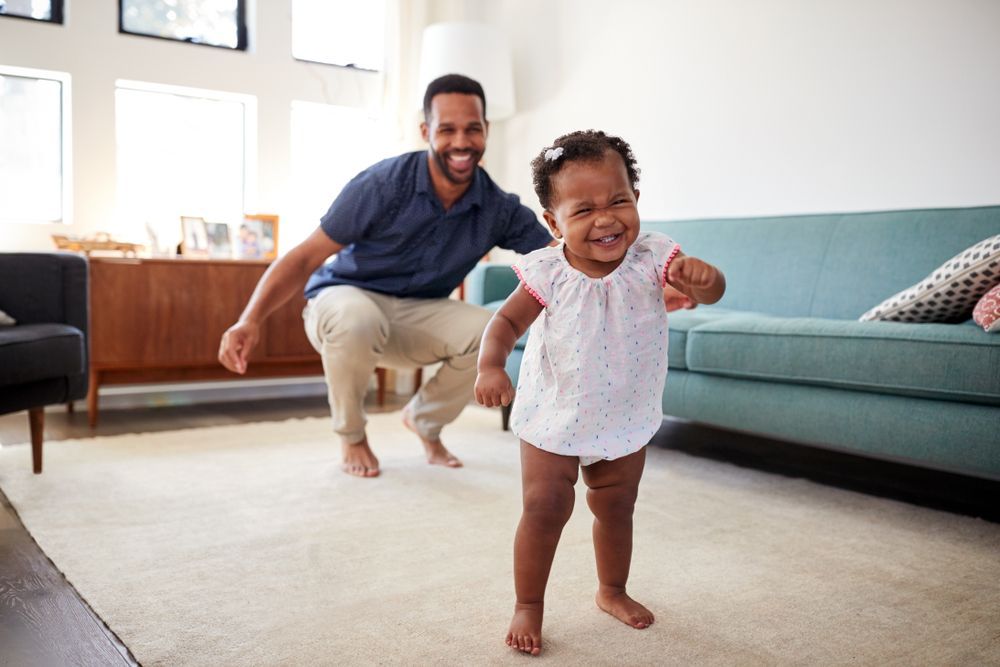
(43,357)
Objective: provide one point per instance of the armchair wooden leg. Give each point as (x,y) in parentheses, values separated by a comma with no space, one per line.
(36,419)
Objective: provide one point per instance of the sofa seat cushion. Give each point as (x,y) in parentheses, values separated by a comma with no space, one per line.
(682,321)
(31,352)
(943,361)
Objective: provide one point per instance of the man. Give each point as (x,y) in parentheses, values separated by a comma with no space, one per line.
(405,233)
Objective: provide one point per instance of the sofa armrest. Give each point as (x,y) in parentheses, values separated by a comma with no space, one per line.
(490,282)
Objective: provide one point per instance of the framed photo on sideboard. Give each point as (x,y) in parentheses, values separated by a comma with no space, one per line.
(220,242)
(194,237)
(257,237)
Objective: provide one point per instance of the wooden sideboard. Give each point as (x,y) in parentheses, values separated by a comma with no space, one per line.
(160,320)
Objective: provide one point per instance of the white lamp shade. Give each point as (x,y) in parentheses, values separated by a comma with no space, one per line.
(476,50)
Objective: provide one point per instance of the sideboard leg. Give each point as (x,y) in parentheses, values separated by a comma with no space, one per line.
(95,382)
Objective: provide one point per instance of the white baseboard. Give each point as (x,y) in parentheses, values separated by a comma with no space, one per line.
(117,397)
(192,393)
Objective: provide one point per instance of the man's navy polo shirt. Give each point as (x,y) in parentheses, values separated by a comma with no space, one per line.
(399,240)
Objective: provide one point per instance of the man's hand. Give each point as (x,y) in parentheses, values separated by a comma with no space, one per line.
(493,388)
(237,343)
(675,300)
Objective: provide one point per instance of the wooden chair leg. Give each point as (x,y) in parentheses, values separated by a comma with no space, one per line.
(71,407)
(505,416)
(418,379)
(380,386)
(36,420)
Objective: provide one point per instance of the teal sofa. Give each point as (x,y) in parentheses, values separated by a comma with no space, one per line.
(783,354)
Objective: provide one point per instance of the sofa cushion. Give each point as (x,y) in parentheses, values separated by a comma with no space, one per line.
(30,352)
(681,322)
(952,362)
(950,292)
(987,312)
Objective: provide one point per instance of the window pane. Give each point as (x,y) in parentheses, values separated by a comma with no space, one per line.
(179,154)
(42,10)
(330,145)
(339,32)
(213,22)
(31,149)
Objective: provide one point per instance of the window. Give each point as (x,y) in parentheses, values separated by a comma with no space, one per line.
(183,152)
(38,10)
(210,22)
(339,32)
(35,173)
(330,145)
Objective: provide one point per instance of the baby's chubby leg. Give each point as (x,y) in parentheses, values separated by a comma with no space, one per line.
(612,490)
(547,489)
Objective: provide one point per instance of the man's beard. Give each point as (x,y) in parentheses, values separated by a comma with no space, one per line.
(442,162)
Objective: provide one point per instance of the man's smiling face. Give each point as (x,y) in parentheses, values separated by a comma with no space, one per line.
(456,131)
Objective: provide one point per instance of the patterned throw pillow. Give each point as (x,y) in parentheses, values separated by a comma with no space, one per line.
(987,312)
(950,292)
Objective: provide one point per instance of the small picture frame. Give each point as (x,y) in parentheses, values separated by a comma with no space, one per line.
(194,237)
(257,237)
(220,242)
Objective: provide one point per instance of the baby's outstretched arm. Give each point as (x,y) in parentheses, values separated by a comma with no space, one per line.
(698,279)
(493,387)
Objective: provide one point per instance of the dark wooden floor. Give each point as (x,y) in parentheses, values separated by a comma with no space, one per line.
(44,622)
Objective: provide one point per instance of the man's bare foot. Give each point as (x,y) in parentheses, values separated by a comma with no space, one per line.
(616,602)
(525,632)
(359,459)
(436,452)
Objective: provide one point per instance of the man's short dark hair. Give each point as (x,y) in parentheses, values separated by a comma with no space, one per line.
(452,83)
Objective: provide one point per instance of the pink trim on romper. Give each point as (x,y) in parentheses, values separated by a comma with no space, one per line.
(527,287)
(673,253)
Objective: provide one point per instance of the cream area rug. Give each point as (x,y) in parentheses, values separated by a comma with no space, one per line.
(245,545)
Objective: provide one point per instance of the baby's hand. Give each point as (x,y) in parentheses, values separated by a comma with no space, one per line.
(675,300)
(691,272)
(493,388)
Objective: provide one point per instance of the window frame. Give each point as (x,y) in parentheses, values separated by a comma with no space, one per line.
(241,30)
(58,14)
(347,66)
(250,126)
(65,144)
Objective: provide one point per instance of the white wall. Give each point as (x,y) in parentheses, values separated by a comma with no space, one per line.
(89,47)
(743,107)
(734,107)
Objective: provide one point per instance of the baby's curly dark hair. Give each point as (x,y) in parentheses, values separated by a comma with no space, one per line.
(586,145)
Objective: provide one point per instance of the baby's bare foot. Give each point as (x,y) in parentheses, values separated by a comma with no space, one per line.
(435,449)
(616,602)
(359,459)
(525,632)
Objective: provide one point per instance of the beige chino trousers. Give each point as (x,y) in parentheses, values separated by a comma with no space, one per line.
(355,330)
